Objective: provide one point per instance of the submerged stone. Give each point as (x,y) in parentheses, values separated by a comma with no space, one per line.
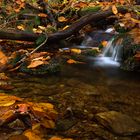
(118,123)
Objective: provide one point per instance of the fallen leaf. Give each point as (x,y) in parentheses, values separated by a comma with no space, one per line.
(42,15)
(71,61)
(77,51)
(65,27)
(62,19)
(3,58)
(114,9)
(21,27)
(35,64)
(7,102)
(31,135)
(104,43)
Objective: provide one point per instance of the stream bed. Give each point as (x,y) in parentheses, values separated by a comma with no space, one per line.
(81,93)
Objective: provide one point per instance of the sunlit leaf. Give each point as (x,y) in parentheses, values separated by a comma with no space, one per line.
(77,51)
(114,9)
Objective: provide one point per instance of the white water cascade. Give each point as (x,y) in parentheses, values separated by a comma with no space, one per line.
(112,54)
(114,50)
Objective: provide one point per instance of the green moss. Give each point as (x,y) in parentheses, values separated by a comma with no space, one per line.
(88,10)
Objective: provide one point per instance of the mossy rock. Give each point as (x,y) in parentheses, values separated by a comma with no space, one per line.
(51,68)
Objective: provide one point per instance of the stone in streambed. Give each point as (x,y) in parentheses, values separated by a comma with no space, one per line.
(118,123)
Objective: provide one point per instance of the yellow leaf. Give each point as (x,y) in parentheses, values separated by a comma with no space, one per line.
(35,64)
(7,102)
(62,19)
(65,27)
(77,51)
(114,9)
(21,27)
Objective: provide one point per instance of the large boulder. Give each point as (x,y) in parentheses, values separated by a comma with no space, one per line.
(118,123)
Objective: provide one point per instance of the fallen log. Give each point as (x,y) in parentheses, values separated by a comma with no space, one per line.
(55,37)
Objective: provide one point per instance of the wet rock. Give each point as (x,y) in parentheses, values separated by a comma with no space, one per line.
(118,123)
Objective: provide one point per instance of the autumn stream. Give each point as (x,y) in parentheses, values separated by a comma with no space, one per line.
(81,91)
(96,100)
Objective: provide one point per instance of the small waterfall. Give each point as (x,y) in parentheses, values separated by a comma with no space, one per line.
(114,50)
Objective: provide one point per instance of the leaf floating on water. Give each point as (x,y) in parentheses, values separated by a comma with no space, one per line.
(71,61)
(114,9)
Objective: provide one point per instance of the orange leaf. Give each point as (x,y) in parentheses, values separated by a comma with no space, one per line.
(104,43)
(114,9)
(42,15)
(62,19)
(3,58)
(77,51)
(71,61)
(35,64)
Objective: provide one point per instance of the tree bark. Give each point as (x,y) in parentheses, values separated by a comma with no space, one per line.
(55,37)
